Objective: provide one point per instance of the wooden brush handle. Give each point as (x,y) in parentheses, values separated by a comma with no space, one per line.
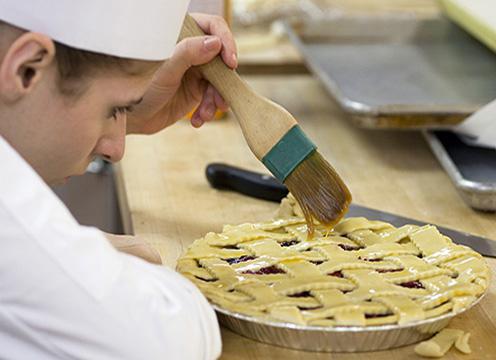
(262,121)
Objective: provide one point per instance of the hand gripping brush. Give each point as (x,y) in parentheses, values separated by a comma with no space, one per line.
(276,139)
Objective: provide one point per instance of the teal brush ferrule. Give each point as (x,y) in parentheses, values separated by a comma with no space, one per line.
(288,153)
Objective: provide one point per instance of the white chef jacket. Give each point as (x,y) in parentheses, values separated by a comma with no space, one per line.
(65,293)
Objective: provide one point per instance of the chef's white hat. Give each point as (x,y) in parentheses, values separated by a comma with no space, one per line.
(136,29)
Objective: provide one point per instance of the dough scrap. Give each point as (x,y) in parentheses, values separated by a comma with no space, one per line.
(438,345)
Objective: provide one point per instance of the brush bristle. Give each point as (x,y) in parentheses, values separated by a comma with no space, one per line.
(322,195)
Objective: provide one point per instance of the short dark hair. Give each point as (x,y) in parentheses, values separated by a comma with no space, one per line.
(74,64)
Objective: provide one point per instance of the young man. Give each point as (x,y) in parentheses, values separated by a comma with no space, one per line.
(75,77)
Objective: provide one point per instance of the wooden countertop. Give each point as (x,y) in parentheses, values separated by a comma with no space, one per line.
(166,199)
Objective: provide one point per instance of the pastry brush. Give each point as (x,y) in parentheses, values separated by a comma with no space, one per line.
(276,139)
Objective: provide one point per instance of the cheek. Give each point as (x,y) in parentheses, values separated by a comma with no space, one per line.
(83,129)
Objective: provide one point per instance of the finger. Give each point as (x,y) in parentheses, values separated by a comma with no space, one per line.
(216,25)
(193,51)
(207,106)
(206,110)
(135,246)
(196,120)
(142,251)
(220,102)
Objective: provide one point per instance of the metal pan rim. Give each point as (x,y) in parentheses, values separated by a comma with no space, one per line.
(351,329)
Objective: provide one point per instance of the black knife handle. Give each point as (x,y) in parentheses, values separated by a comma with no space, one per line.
(261,186)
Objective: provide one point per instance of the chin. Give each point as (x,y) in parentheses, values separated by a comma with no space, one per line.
(59,182)
(64,180)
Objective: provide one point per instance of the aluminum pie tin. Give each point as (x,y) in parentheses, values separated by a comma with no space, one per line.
(337,338)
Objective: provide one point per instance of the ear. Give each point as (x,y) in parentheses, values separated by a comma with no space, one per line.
(26,61)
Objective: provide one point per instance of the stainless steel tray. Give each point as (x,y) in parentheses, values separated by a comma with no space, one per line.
(398,72)
(471,169)
(333,339)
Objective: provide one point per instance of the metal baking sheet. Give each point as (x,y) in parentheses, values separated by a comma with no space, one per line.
(334,339)
(471,169)
(400,72)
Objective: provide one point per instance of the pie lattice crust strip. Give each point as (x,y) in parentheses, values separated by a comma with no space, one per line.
(362,273)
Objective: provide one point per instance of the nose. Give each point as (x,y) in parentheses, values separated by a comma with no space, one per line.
(111,146)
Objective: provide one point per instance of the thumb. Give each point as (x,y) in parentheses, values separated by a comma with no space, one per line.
(194,51)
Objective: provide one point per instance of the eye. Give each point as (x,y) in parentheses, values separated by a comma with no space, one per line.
(121,110)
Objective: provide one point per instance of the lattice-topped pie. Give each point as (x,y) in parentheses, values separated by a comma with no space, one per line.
(361,273)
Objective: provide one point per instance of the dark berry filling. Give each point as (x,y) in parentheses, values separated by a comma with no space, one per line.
(265,271)
(373,316)
(338,274)
(413,285)
(317,262)
(309,308)
(387,270)
(348,247)
(289,243)
(239,259)
(301,294)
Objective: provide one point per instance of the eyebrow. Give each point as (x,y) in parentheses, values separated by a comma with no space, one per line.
(135,102)
(130,103)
